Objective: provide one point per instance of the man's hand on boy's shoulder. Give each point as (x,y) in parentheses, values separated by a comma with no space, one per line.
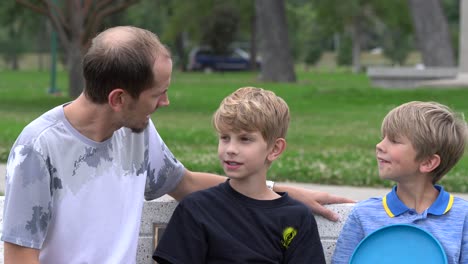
(315,200)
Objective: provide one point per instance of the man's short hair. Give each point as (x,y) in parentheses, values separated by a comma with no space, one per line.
(121,57)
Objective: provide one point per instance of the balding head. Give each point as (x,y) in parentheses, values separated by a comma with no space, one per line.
(121,57)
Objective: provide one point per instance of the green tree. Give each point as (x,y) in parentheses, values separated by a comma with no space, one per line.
(188,23)
(76,22)
(220,28)
(18,26)
(357,18)
(307,35)
(344,56)
(396,46)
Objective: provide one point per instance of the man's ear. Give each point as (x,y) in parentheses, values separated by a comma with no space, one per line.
(116,99)
(278,147)
(430,164)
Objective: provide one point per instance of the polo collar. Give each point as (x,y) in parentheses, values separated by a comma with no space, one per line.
(394,206)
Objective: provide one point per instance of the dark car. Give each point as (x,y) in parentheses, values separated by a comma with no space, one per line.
(204,59)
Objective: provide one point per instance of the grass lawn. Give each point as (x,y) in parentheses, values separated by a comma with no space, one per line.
(335,122)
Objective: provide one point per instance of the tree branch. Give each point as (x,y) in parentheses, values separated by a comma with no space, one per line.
(54,9)
(58,22)
(35,8)
(102,4)
(87,6)
(101,12)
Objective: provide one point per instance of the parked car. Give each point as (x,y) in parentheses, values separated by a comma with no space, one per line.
(204,59)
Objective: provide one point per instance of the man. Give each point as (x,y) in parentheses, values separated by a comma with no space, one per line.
(76,175)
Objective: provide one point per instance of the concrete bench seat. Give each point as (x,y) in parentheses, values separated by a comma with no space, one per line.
(408,77)
(157,213)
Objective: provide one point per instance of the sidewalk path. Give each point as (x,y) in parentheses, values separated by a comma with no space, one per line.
(352,192)
(356,193)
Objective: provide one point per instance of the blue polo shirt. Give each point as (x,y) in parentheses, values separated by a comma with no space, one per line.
(446,219)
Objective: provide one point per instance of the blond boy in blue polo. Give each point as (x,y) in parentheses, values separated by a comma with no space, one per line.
(421,142)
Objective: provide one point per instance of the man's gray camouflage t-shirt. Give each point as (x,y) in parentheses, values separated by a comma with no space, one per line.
(78,200)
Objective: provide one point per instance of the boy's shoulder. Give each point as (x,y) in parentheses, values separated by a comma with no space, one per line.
(369,203)
(372,204)
(202,195)
(292,208)
(300,206)
(460,203)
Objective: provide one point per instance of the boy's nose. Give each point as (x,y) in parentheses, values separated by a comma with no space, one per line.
(231,149)
(379,146)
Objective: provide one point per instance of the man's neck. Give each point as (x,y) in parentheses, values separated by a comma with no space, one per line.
(92,120)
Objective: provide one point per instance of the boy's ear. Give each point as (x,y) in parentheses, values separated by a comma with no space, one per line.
(430,164)
(278,147)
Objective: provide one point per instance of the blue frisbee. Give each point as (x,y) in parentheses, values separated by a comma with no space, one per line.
(400,243)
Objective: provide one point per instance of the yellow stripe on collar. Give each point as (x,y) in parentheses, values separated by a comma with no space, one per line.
(449,205)
(385,205)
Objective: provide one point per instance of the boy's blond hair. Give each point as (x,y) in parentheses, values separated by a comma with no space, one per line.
(253,109)
(432,128)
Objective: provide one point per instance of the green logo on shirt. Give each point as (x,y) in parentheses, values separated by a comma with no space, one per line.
(288,234)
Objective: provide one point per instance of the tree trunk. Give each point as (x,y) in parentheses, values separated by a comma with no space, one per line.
(74,52)
(356,39)
(463,49)
(277,61)
(13,51)
(43,42)
(75,74)
(180,49)
(432,33)
(253,42)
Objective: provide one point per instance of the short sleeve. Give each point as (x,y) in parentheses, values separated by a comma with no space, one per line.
(164,170)
(184,240)
(28,198)
(306,247)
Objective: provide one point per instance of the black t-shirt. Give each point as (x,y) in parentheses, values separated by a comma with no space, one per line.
(220,225)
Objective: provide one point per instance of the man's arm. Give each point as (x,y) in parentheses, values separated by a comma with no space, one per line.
(195,181)
(315,200)
(14,254)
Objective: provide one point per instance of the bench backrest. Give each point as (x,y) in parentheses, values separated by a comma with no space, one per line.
(157,213)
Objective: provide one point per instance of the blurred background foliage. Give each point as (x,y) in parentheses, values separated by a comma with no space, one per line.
(315,28)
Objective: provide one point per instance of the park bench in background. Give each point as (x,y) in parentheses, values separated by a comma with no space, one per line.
(408,77)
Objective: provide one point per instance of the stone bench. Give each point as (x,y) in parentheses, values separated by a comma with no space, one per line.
(408,77)
(157,213)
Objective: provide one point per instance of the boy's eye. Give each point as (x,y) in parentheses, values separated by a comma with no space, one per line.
(391,139)
(223,137)
(246,138)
